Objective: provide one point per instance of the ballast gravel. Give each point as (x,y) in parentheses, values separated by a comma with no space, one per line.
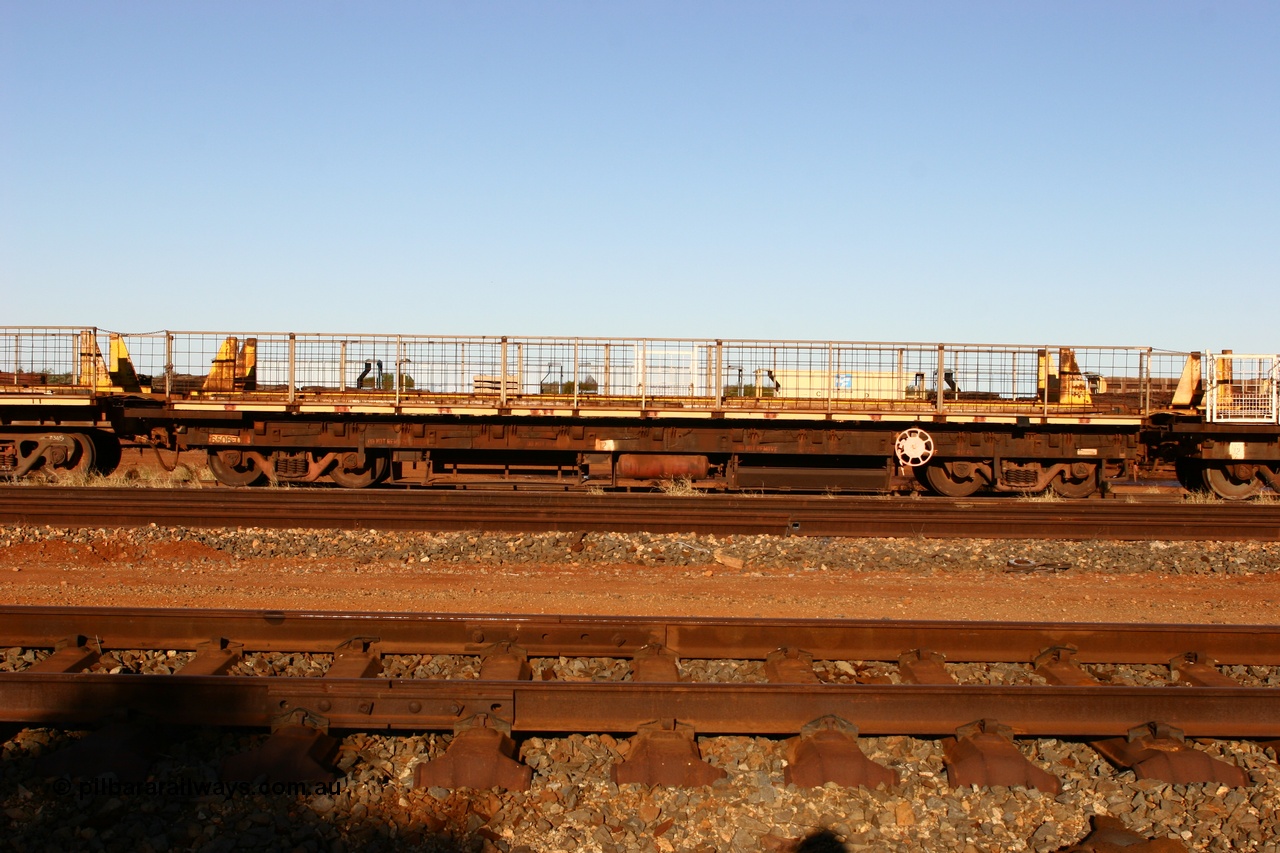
(573,804)
(184,804)
(913,556)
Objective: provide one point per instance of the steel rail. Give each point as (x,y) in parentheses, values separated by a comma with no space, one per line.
(782,515)
(1213,708)
(420,705)
(107,629)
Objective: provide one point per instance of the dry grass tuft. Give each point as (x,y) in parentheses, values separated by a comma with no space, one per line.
(682,487)
(182,476)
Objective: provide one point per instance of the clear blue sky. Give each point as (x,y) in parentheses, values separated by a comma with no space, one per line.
(1082,172)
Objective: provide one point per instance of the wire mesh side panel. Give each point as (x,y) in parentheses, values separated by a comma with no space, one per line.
(1000,379)
(1242,388)
(562,367)
(1161,373)
(764,371)
(948,377)
(348,366)
(148,352)
(41,357)
(553,367)
(1057,379)
(605,369)
(452,366)
(673,369)
(802,375)
(1117,380)
(190,358)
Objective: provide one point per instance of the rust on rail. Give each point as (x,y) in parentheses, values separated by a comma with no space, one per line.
(421,705)
(781,515)
(625,637)
(55,693)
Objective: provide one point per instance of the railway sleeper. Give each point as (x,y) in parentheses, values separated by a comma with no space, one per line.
(481,755)
(505,661)
(665,752)
(1153,750)
(69,655)
(1159,751)
(1109,835)
(655,663)
(790,665)
(297,750)
(826,750)
(983,754)
(1199,670)
(213,657)
(124,746)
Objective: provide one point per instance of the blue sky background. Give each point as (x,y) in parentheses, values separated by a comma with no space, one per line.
(1085,172)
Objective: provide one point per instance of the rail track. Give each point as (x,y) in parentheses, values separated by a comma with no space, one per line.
(717,514)
(77,677)
(983,696)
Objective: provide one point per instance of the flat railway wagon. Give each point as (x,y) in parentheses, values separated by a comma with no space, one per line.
(616,413)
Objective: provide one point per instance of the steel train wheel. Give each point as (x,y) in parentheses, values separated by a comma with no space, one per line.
(1233,482)
(1190,475)
(941,477)
(81,459)
(106,452)
(349,478)
(230,468)
(1076,488)
(58,459)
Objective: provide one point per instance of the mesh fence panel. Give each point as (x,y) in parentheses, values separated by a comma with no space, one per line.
(693,373)
(1243,388)
(40,356)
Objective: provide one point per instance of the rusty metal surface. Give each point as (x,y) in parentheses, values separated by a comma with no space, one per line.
(421,705)
(353,696)
(1110,835)
(104,629)
(827,751)
(780,515)
(665,753)
(983,754)
(479,756)
(291,753)
(1160,751)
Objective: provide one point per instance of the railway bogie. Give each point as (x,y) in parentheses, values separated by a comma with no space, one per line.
(356,411)
(36,452)
(1232,460)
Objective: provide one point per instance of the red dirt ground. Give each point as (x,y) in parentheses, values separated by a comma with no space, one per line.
(117,572)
